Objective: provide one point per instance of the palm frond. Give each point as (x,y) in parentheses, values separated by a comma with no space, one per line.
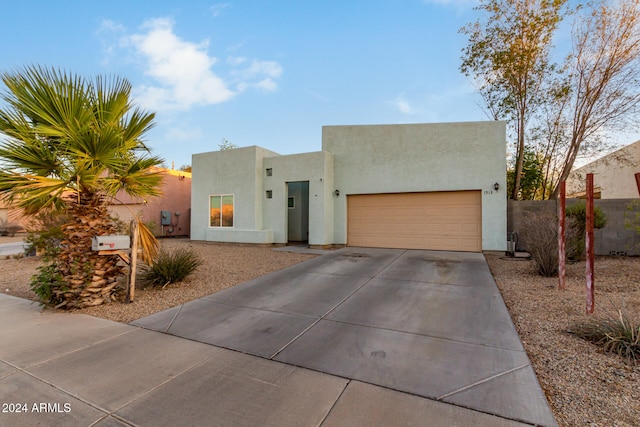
(31,192)
(70,129)
(140,178)
(147,242)
(32,157)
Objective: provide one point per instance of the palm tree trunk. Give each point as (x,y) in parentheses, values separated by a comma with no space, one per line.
(90,279)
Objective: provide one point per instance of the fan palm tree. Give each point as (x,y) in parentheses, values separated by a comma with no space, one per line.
(69,145)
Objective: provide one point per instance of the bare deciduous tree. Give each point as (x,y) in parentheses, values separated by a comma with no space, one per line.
(603,88)
(508,55)
(563,112)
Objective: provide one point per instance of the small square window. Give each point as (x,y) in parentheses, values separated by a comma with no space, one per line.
(291,202)
(269,194)
(269,172)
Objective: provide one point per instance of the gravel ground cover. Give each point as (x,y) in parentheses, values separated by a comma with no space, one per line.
(224,265)
(585,386)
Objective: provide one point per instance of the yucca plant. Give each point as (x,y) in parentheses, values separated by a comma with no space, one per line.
(171,267)
(618,334)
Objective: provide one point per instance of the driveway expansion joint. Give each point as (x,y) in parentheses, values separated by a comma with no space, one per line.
(173,319)
(334,307)
(486,380)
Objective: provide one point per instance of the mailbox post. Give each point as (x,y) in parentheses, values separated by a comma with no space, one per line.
(126,247)
(111,243)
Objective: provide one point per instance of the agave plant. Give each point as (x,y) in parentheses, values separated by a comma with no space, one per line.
(69,144)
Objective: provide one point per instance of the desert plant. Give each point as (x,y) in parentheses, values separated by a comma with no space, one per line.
(577,226)
(617,333)
(44,233)
(632,216)
(70,144)
(171,266)
(540,233)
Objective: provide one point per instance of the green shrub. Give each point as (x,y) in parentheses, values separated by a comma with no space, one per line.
(632,216)
(171,266)
(43,283)
(577,227)
(45,234)
(616,334)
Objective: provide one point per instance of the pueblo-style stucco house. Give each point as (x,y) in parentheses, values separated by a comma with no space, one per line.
(415,186)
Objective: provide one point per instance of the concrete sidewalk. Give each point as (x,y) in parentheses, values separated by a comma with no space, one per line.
(358,337)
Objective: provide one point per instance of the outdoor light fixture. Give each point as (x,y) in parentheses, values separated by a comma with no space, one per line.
(496,186)
(337,193)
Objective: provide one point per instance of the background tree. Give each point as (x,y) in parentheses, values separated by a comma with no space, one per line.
(531,176)
(70,144)
(603,92)
(226,145)
(508,56)
(560,112)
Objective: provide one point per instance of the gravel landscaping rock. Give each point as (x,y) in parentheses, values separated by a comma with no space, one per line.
(224,265)
(584,386)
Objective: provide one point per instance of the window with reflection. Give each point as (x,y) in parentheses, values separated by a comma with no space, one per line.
(221,210)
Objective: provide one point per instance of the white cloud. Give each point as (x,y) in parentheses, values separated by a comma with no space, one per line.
(218,8)
(109,32)
(109,26)
(259,74)
(236,60)
(180,73)
(318,96)
(404,107)
(182,69)
(178,135)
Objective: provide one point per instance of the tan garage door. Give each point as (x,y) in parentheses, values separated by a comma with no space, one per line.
(450,220)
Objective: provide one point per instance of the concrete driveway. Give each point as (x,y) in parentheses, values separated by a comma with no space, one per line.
(405,328)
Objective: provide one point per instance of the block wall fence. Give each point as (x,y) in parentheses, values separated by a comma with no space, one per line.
(614,239)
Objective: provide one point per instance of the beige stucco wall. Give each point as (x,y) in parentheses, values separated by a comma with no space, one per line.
(613,174)
(257,219)
(422,157)
(238,172)
(316,168)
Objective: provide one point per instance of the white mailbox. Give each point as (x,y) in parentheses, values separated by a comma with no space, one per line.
(109,243)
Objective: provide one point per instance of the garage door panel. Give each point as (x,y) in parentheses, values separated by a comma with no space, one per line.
(435,220)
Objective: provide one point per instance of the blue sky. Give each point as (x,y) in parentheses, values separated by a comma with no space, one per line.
(268,73)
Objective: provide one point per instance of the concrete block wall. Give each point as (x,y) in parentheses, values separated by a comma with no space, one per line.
(614,238)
